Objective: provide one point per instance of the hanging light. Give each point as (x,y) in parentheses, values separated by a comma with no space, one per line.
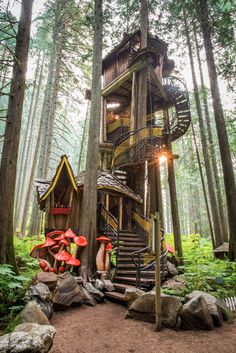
(162,159)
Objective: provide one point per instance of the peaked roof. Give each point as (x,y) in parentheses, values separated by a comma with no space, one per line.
(45,188)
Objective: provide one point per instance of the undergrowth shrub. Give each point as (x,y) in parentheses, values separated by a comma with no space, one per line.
(12,290)
(23,247)
(204,272)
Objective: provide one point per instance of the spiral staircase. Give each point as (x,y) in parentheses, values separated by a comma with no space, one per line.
(139,145)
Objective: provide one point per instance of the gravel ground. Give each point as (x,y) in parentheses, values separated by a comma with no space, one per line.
(103,329)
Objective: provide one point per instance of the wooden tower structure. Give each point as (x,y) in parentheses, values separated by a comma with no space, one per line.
(131,143)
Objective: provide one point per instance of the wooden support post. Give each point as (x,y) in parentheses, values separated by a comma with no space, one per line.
(104,120)
(107,202)
(120,212)
(133,102)
(159,193)
(157,271)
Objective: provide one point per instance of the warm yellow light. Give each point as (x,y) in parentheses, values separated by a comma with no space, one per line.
(162,159)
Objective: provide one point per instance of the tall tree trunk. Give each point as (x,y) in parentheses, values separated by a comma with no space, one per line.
(210,181)
(35,158)
(12,133)
(140,121)
(229,181)
(142,82)
(89,205)
(212,147)
(54,100)
(82,144)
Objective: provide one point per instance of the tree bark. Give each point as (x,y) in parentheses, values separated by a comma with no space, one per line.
(89,204)
(23,170)
(229,181)
(12,133)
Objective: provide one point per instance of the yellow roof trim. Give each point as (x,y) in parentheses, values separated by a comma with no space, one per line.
(64,161)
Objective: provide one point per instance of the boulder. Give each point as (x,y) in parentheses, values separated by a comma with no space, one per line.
(97,294)
(195,315)
(88,298)
(212,305)
(27,338)
(132,294)
(99,284)
(108,285)
(41,295)
(79,280)
(49,278)
(31,314)
(68,292)
(170,307)
(176,284)
(144,309)
(172,270)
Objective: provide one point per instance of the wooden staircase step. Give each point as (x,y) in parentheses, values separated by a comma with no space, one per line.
(133,280)
(130,240)
(121,287)
(130,272)
(125,254)
(129,249)
(125,265)
(118,296)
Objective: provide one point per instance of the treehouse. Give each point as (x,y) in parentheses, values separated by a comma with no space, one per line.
(144,111)
(124,130)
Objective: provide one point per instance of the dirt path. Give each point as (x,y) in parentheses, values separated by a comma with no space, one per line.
(103,329)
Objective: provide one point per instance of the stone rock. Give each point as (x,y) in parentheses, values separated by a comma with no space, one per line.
(195,315)
(108,285)
(31,313)
(79,280)
(88,298)
(172,270)
(211,304)
(170,307)
(97,294)
(68,292)
(99,284)
(49,278)
(132,294)
(144,309)
(41,295)
(175,284)
(28,338)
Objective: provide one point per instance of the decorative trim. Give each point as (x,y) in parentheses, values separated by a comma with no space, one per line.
(64,161)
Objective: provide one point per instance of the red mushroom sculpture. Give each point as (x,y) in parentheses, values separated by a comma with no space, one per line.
(100,258)
(81,241)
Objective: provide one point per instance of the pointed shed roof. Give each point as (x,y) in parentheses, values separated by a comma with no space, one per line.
(45,187)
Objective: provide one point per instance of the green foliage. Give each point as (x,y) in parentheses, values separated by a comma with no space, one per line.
(23,246)
(202,271)
(12,289)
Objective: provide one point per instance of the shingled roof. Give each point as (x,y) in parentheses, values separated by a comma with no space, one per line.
(106,180)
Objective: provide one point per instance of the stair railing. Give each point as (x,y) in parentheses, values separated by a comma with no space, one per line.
(145,254)
(131,139)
